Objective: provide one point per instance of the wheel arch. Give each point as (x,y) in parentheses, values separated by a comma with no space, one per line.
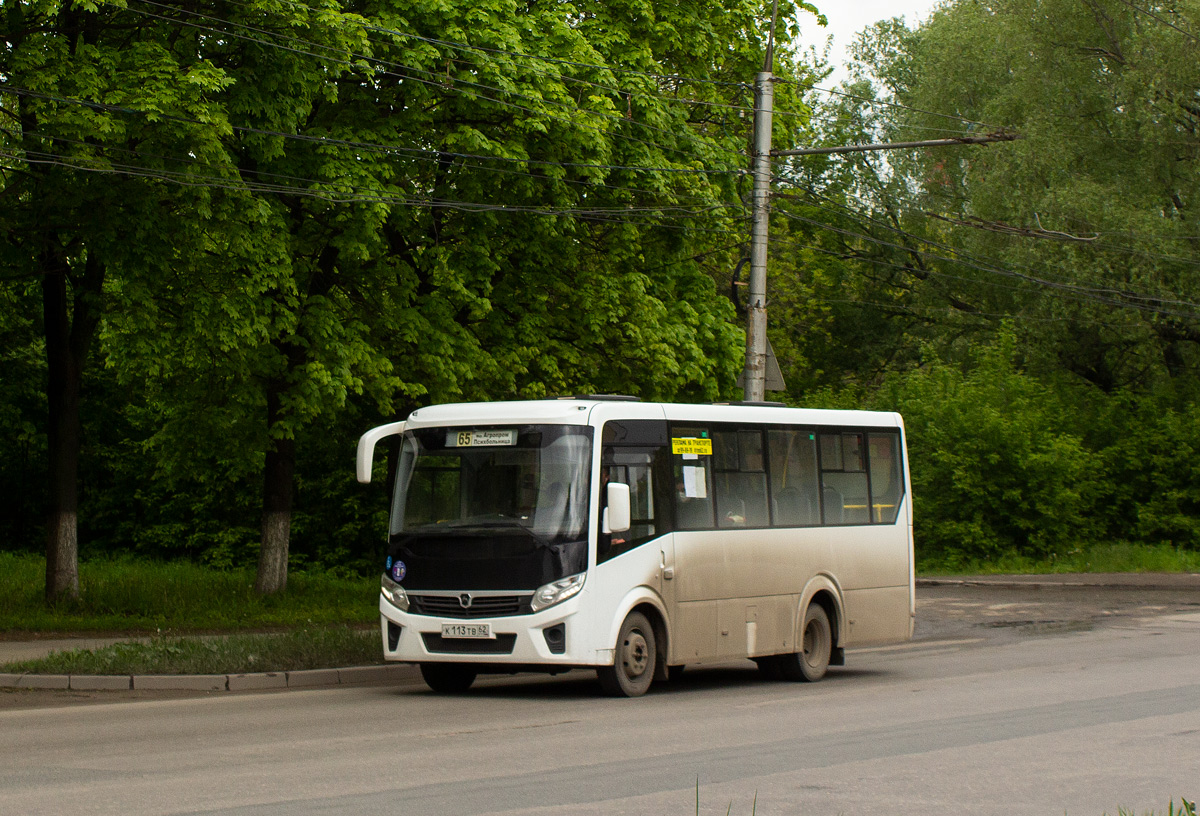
(649,604)
(824,589)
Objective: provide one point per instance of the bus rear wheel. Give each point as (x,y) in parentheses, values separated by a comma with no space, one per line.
(816,647)
(635,659)
(448,678)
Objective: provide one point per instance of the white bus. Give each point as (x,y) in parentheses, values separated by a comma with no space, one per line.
(636,538)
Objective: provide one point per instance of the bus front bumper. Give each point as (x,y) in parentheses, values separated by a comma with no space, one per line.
(553,637)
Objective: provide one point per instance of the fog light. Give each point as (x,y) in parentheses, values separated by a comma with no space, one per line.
(556,638)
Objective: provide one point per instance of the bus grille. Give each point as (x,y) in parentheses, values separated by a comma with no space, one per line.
(436,644)
(482,606)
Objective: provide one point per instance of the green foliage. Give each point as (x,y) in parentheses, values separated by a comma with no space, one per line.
(292,223)
(143,595)
(22,412)
(305,648)
(1030,307)
(1185,808)
(1150,445)
(1082,228)
(994,466)
(1020,473)
(1091,558)
(297,222)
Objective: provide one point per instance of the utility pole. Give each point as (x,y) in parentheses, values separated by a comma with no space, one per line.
(754,376)
(754,385)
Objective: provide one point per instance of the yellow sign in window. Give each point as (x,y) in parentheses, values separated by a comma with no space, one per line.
(695,447)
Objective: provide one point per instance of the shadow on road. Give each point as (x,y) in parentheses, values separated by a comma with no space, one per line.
(582,684)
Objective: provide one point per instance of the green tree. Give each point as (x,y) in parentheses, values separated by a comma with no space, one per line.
(1072,248)
(414,218)
(1083,227)
(70,71)
(996,466)
(259,216)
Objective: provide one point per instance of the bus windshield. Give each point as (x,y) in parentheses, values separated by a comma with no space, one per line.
(454,480)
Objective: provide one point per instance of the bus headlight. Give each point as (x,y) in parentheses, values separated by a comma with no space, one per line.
(394,593)
(557,592)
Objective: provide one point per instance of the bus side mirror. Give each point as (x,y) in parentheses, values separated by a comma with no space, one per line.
(366,448)
(616,515)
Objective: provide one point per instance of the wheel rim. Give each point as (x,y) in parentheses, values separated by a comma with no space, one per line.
(635,655)
(814,642)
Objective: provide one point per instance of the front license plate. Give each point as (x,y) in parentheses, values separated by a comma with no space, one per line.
(480,631)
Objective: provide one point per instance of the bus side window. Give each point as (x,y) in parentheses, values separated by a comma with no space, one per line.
(634,453)
(887,479)
(794,482)
(844,495)
(741,480)
(633,468)
(693,474)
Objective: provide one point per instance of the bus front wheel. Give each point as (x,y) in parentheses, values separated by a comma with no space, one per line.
(816,647)
(634,660)
(448,678)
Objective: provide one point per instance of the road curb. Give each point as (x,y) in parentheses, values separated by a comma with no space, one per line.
(308,679)
(35,681)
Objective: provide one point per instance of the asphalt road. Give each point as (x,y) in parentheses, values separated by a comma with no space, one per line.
(1015,700)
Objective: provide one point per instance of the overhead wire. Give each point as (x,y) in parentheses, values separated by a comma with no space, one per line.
(432,158)
(1190,35)
(522,55)
(532,162)
(897,105)
(349,195)
(1088,318)
(429,153)
(1106,296)
(1109,296)
(1016,233)
(563,77)
(434,79)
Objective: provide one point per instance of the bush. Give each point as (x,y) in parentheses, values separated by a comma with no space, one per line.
(995,466)
(1150,446)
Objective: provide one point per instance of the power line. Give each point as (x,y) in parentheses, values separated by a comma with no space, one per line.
(615,89)
(1167,23)
(1095,244)
(352,195)
(890,104)
(946,247)
(972,312)
(908,207)
(1106,296)
(431,159)
(867,148)
(535,57)
(427,153)
(435,79)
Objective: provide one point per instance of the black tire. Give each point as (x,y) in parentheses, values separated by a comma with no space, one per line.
(634,660)
(448,678)
(816,647)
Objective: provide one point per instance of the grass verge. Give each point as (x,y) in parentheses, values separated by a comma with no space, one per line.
(309,648)
(126,595)
(1117,557)
(1185,808)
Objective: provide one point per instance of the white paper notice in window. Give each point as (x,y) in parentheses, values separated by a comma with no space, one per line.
(695,485)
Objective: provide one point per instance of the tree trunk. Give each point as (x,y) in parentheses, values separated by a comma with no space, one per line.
(277,506)
(69,332)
